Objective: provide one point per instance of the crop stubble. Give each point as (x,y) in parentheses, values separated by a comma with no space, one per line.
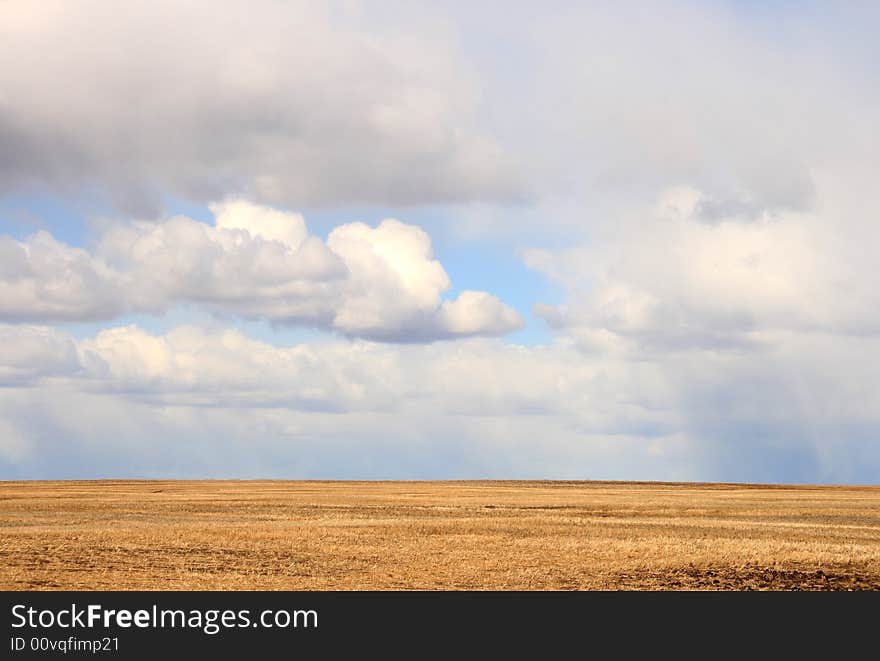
(230,535)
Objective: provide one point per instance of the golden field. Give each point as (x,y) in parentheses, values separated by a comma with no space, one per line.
(230,535)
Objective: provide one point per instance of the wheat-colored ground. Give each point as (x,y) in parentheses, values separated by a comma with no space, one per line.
(436,535)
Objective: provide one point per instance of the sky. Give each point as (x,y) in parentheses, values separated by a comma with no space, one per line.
(412,240)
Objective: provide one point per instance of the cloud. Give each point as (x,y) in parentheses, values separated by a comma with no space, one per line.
(478,313)
(673,282)
(396,286)
(42,279)
(257,263)
(74,435)
(261,222)
(664,95)
(30,353)
(197,403)
(292,104)
(760,333)
(191,366)
(705,184)
(180,260)
(750,105)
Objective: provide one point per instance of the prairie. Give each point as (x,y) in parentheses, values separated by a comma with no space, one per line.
(481,535)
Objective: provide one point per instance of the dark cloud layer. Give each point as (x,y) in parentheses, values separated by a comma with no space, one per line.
(287,103)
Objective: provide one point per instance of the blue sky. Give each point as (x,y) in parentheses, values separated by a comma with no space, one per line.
(346,240)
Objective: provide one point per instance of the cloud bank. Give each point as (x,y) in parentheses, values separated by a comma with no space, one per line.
(193,401)
(293,104)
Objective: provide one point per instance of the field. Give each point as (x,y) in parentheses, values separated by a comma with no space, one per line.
(175,535)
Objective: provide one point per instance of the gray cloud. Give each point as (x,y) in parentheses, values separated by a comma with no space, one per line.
(288,103)
(752,106)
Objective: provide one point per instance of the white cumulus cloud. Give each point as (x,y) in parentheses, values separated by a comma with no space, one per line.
(255,262)
(669,281)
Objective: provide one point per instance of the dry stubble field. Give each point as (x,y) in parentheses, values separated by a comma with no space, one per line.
(436,535)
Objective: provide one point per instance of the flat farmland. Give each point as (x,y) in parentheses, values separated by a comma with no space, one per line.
(231,535)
